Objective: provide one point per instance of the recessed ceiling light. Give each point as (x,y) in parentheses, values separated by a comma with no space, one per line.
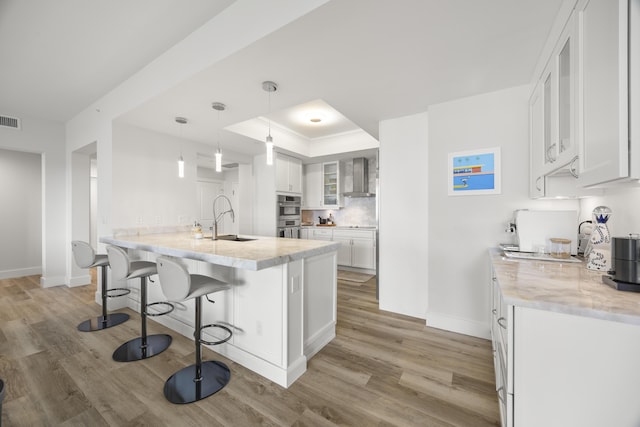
(315,117)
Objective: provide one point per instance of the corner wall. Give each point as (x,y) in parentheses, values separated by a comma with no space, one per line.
(462,228)
(47,139)
(404,175)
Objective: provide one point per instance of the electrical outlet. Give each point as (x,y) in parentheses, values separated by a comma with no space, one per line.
(181,219)
(140,220)
(158,220)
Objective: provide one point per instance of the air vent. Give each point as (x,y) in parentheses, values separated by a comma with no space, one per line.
(9,122)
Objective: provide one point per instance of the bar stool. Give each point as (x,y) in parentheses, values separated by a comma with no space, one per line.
(201,380)
(144,346)
(86,257)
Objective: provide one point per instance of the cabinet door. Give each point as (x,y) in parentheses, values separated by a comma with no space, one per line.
(363,253)
(330,184)
(282,173)
(344,251)
(604,91)
(313,185)
(295,175)
(536,144)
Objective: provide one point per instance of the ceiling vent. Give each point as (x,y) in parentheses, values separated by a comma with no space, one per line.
(10,122)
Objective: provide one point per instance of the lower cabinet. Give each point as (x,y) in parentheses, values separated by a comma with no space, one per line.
(358,248)
(557,369)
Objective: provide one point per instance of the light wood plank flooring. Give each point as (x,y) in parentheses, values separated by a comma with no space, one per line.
(381,370)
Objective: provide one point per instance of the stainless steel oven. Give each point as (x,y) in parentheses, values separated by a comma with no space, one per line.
(288,216)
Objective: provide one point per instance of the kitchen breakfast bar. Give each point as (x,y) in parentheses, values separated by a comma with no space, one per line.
(281,305)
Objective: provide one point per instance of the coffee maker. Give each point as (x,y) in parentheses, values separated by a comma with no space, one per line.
(625,263)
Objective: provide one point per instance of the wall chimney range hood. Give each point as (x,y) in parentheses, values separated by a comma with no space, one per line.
(360,179)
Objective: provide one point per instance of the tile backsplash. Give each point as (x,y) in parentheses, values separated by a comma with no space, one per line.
(360,211)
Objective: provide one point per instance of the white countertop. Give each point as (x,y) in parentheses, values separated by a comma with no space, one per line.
(563,287)
(264,252)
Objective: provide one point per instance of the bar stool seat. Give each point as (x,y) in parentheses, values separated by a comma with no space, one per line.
(145,346)
(202,379)
(85,257)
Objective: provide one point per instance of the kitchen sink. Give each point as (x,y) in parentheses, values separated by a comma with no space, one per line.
(234,238)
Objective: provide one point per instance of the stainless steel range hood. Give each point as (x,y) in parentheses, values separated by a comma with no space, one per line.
(360,179)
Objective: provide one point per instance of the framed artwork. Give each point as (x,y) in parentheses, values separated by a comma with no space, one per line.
(474,172)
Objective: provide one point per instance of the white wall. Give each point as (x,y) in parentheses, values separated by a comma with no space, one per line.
(404,174)
(147,191)
(624,203)
(46,138)
(21,214)
(461,228)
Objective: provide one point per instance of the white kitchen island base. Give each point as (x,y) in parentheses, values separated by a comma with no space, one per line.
(280,315)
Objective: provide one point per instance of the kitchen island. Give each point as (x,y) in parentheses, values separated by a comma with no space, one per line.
(566,345)
(281,306)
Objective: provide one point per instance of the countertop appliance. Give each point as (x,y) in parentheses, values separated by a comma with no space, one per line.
(535,228)
(625,261)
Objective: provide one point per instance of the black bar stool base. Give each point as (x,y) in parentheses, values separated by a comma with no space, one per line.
(99,323)
(132,350)
(181,387)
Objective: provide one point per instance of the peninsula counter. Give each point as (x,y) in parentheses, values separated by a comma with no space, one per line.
(281,306)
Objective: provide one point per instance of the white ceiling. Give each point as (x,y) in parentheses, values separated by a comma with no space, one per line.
(363,60)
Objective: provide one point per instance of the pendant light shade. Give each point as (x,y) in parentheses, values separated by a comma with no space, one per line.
(218,106)
(269,144)
(218,161)
(181,121)
(269,86)
(180,167)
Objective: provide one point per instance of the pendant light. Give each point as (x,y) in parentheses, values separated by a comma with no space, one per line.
(269,86)
(181,121)
(218,106)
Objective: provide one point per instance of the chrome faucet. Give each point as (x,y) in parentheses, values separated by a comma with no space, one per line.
(216,218)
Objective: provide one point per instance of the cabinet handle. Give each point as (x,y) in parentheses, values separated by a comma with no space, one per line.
(573,170)
(550,156)
(500,320)
(494,311)
(537,181)
(500,390)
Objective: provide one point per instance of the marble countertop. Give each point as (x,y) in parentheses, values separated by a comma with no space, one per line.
(264,252)
(563,287)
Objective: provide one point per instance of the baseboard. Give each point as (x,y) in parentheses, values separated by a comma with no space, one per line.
(20,272)
(459,325)
(85,279)
(51,281)
(321,338)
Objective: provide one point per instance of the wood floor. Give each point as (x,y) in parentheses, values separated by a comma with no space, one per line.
(382,369)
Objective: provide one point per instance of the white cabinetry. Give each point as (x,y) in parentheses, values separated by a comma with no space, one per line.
(358,248)
(607,154)
(553,116)
(312,194)
(502,342)
(288,174)
(332,185)
(583,109)
(556,369)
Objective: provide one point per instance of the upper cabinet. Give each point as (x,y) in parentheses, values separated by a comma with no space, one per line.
(288,174)
(312,194)
(332,186)
(606,49)
(323,185)
(579,107)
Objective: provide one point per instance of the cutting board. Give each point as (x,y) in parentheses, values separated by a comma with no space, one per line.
(325,225)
